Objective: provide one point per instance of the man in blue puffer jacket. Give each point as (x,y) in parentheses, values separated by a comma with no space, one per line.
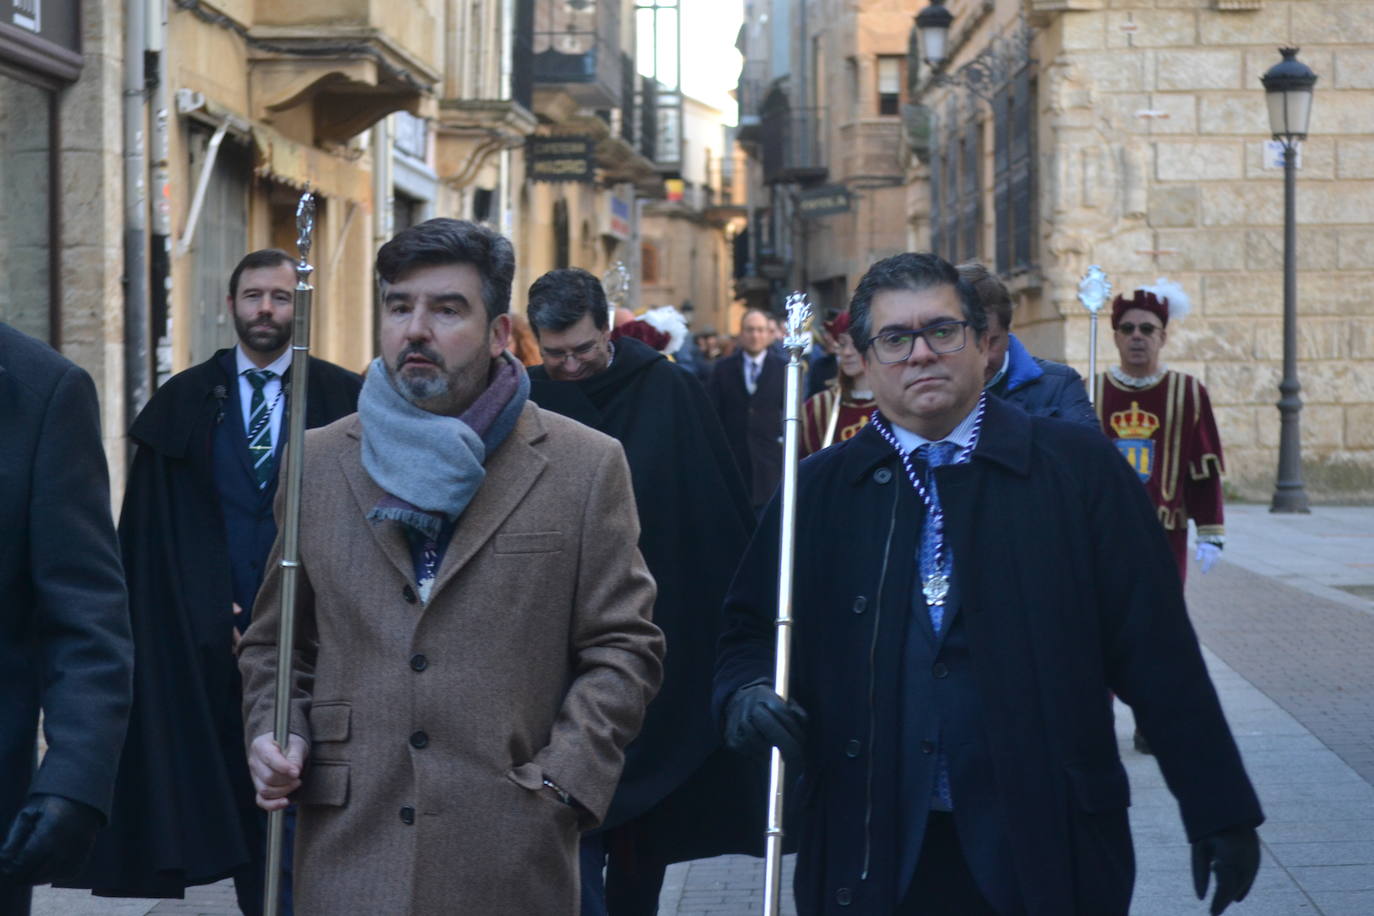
(1038,386)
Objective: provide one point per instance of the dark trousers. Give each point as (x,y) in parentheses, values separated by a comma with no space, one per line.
(632,880)
(943,884)
(250,882)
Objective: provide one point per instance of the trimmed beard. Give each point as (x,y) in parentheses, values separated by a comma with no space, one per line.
(281,334)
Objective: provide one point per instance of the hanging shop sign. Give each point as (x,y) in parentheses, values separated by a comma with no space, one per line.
(560,159)
(823,201)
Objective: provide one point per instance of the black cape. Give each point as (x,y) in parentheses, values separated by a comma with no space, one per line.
(695,522)
(183,810)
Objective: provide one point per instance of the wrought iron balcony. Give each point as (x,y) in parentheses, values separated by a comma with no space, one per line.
(792,150)
(576,47)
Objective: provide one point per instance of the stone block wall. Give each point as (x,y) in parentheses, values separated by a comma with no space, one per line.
(1152,130)
(91,219)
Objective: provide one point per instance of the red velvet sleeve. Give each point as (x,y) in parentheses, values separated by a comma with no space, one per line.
(1203,465)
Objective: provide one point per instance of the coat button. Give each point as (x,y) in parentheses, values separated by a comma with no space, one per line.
(407,815)
(852,747)
(418,662)
(408,594)
(927,747)
(882,475)
(844,896)
(860,604)
(419,740)
(940,670)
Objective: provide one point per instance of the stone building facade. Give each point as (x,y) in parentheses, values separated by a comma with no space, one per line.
(820,118)
(1132,134)
(146,145)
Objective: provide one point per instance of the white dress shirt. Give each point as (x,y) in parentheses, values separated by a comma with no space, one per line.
(961,435)
(270,391)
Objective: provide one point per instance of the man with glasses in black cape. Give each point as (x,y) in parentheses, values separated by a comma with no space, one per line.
(682,795)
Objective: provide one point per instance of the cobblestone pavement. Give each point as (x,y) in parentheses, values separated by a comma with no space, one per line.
(1287,622)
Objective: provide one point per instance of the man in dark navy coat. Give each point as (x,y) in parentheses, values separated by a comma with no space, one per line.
(64,624)
(196,529)
(746,388)
(951,713)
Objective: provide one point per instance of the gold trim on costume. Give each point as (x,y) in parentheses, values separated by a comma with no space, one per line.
(1201,470)
(1172,519)
(1173,437)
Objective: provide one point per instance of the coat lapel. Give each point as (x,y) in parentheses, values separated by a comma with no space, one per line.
(390,537)
(511,471)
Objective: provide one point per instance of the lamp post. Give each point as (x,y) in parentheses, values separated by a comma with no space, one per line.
(932,23)
(1288,90)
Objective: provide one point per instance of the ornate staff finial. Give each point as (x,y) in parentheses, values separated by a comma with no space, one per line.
(305,223)
(1094,289)
(798,322)
(616,282)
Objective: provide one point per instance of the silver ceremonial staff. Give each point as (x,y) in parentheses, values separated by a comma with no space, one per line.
(798,336)
(1093,291)
(291,528)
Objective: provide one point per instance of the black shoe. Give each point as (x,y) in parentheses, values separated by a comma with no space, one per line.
(1141,745)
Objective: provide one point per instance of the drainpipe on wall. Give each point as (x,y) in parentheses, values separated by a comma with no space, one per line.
(160,241)
(505,195)
(136,317)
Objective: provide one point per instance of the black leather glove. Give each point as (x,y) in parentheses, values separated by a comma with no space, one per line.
(1234,855)
(50,838)
(757,719)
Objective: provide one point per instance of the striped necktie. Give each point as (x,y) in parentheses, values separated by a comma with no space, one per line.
(260,424)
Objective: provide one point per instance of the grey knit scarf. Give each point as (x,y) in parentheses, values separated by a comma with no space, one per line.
(430,465)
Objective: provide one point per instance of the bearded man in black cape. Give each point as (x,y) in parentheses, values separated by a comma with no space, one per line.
(195,532)
(682,795)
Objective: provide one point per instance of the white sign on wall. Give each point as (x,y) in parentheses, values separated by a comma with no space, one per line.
(1273,154)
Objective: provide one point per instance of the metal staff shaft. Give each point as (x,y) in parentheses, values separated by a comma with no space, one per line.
(1092,356)
(798,314)
(291,532)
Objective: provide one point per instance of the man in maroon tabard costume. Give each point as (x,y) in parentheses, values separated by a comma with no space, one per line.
(1162,422)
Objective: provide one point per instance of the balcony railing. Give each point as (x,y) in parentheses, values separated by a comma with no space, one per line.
(578,49)
(792,148)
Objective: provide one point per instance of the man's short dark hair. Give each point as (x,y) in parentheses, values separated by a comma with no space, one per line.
(256,260)
(560,298)
(442,241)
(992,292)
(914,272)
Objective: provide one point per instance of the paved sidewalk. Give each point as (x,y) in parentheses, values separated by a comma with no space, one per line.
(1287,622)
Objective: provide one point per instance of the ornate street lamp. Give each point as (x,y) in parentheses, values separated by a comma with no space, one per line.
(1005,54)
(932,23)
(1288,90)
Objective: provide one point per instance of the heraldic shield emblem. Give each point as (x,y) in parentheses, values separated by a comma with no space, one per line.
(1135,429)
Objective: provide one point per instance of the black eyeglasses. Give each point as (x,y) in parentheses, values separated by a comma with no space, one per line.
(581,353)
(1128,328)
(897,345)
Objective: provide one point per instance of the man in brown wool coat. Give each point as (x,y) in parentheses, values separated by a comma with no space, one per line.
(474,644)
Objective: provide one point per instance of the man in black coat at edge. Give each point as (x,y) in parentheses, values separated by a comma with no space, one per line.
(746,389)
(195,530)
(950,711)
(1040,387)
(682,795)
(64,629)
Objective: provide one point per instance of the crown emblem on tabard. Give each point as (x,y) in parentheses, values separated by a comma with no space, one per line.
(1134,423)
